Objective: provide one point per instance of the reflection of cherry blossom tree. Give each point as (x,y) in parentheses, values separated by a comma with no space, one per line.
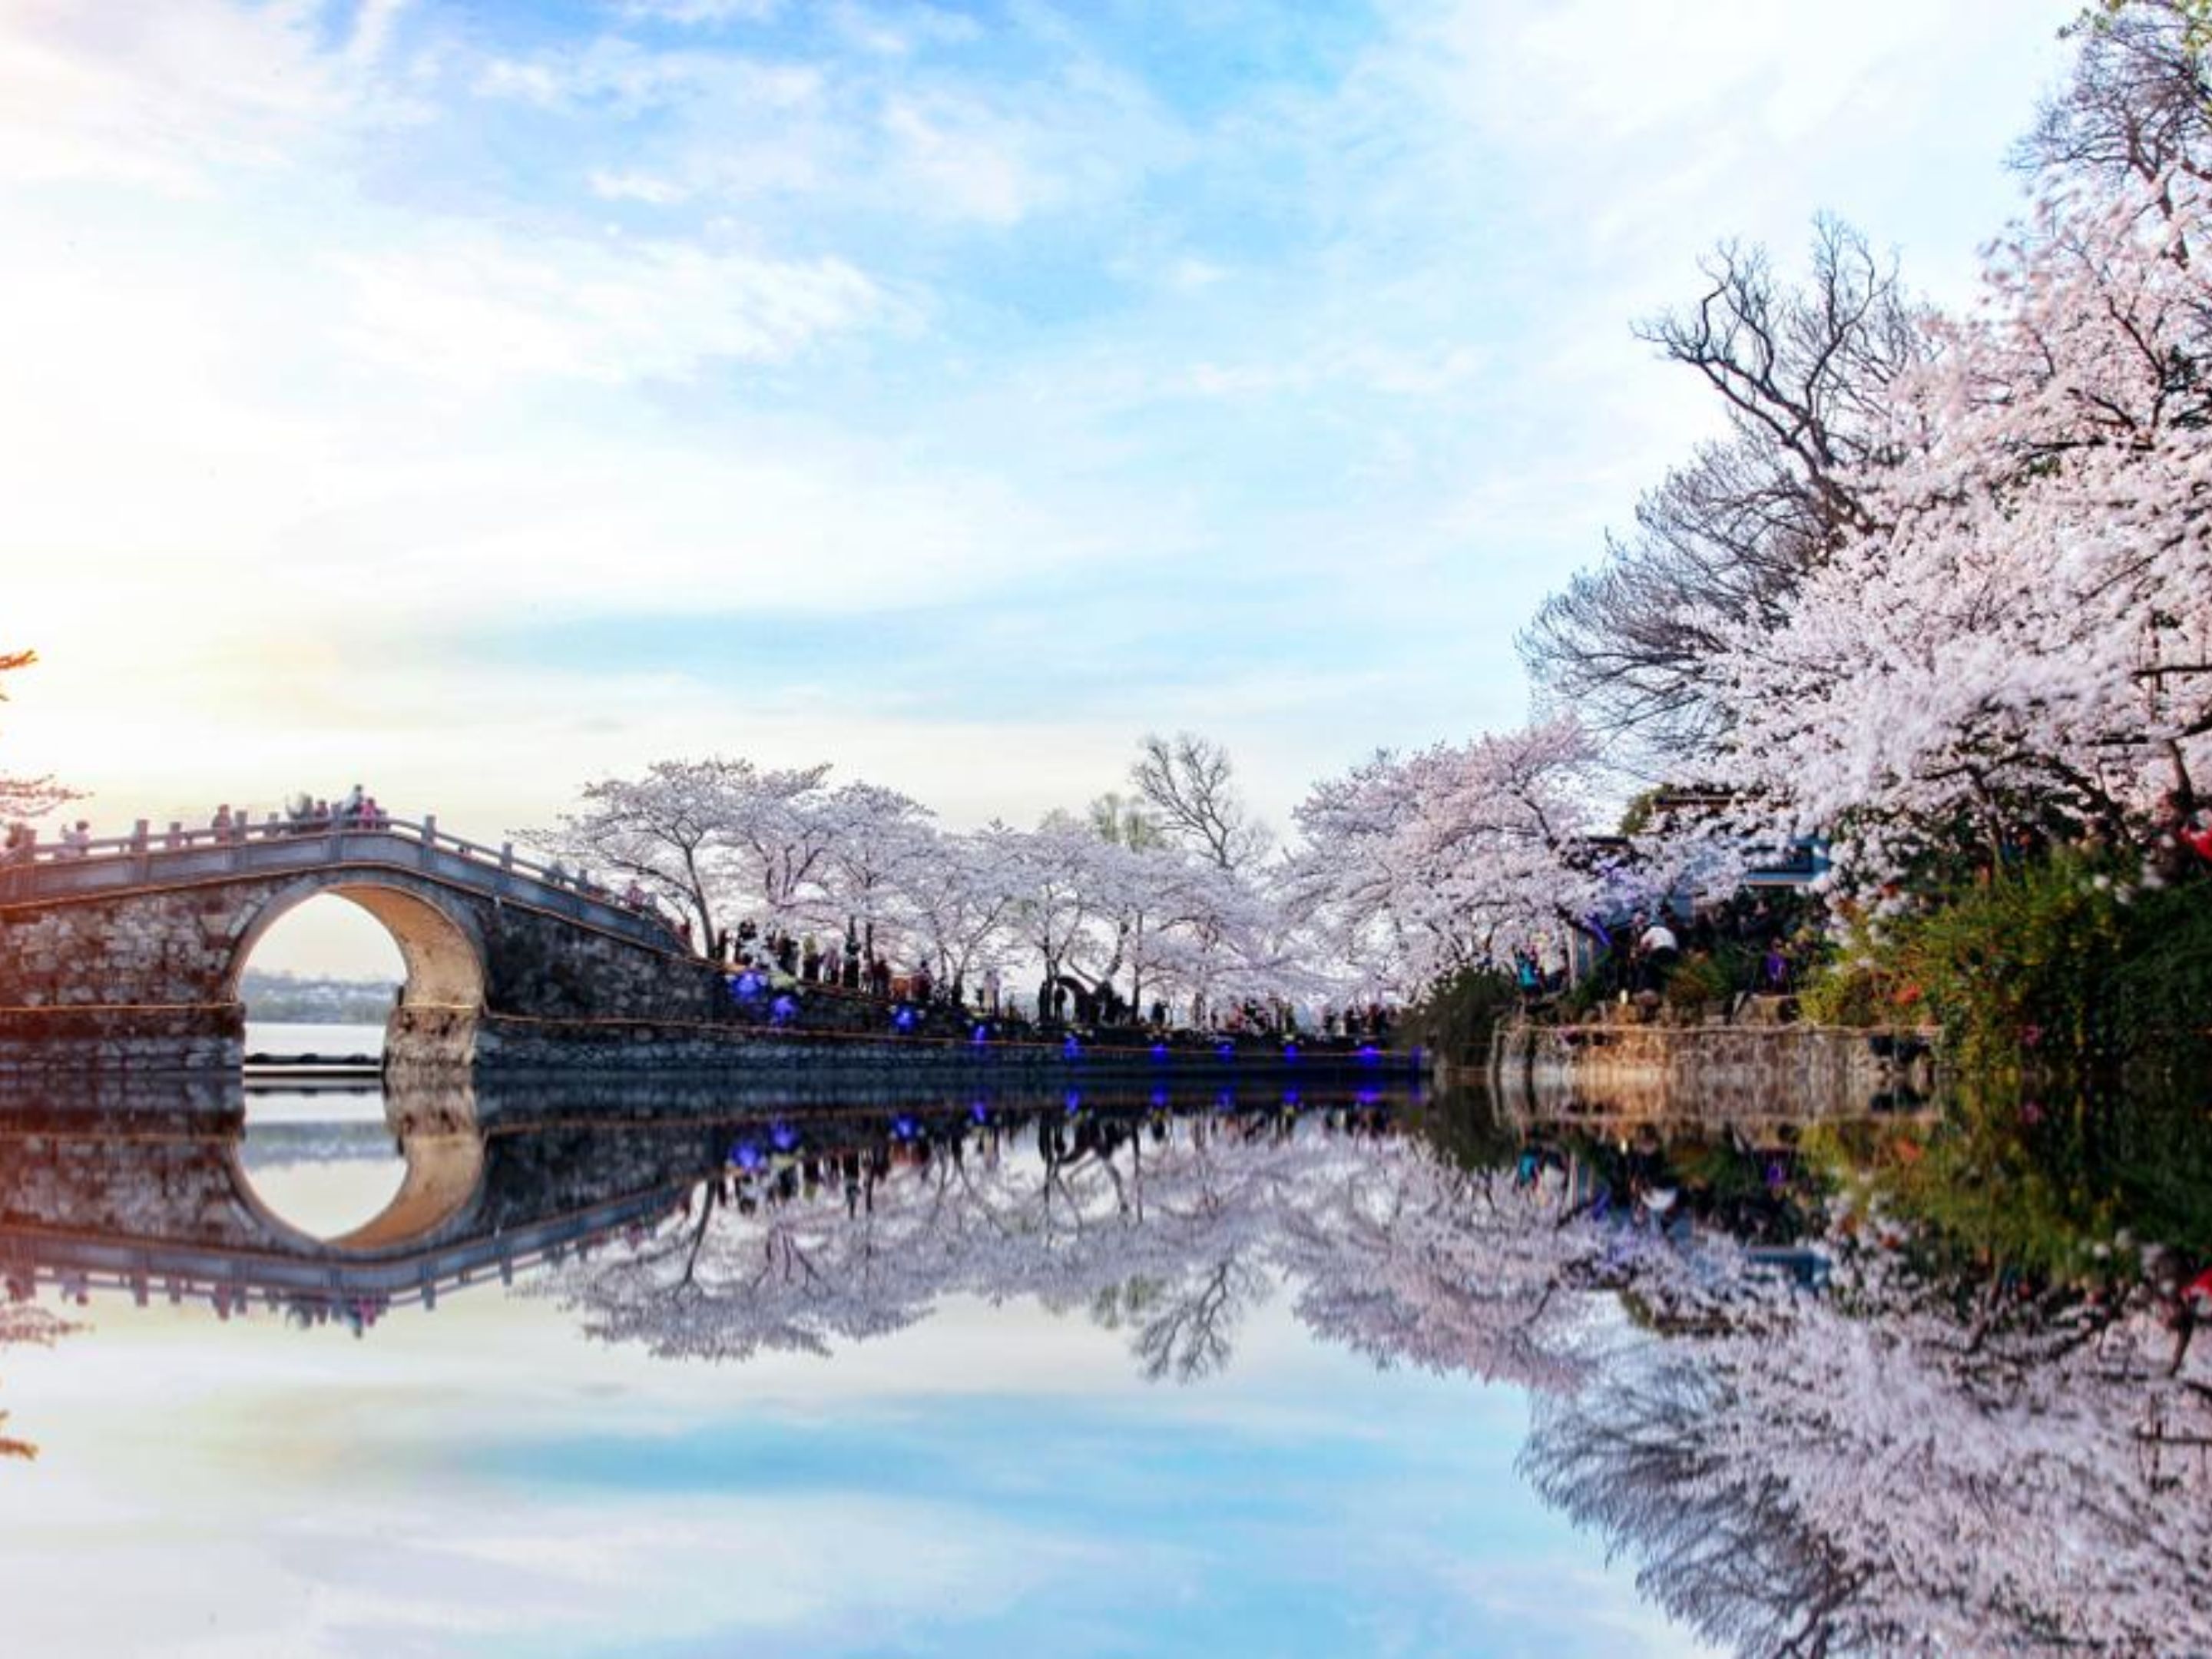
(1924,1481)
(1163,1232)
(1891,1465)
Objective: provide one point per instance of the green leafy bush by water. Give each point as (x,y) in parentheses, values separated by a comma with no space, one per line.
(2066,958)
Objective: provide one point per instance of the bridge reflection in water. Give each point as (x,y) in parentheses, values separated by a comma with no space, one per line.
(148,1187)
(1891,1466)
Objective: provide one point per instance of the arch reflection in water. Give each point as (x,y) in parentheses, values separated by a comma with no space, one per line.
(1879,1468)
(324,1161)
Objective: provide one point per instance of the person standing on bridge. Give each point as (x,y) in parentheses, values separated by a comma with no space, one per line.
(349,811)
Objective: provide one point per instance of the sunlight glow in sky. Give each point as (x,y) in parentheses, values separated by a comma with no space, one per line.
(472,398)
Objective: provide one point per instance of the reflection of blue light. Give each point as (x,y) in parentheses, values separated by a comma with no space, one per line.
(1160,1098)
(1159,1051)
(1291,1098)
(1368,1096)
(745,1155)
(784,1136)
(745,986)
(1224,1048)
(1369,1054)
(1074,1102)
(902,1018)
(982,1035)
(980,1113)
(783,1010)
(1289,1051)
(1070,1049)
(1225,1101)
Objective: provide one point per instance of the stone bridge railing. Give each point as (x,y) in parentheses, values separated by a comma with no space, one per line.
(150,858)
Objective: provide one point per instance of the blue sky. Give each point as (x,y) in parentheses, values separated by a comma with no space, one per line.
(472,399)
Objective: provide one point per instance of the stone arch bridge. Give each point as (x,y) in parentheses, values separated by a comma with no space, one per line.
(126,954)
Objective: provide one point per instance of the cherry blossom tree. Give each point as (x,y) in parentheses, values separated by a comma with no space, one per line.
(1802,372)
(667,830)
(20,797)
(957,899)
(1189,782)
(1417,866)
(877,841)
(2025,644)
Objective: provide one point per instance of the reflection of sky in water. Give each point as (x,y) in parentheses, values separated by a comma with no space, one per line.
(992,1481)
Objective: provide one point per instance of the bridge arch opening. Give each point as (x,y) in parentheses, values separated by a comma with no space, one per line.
(413,953)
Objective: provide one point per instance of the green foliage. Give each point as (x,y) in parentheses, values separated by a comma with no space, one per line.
(1851,991)
(1702,981)
(1635,817)
(2022,964)
(2161,986)
(2063,960)
(1456,1018)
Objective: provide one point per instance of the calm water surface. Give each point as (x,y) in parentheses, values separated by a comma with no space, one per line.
(678,1371)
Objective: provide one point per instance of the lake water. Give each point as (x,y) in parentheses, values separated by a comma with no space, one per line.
(672,1369)
(289,1037)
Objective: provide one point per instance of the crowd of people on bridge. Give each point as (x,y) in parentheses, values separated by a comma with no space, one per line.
(303,815)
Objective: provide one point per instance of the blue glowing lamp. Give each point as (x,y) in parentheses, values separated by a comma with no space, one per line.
(745,1155)
(1070,1049)
(902,1018)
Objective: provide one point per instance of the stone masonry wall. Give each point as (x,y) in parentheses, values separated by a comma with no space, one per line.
(1712,1073)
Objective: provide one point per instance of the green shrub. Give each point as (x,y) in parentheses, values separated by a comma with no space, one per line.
(2065,959)
(1700,981)
(1457,1017)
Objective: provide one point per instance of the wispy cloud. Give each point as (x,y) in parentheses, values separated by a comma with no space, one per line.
(1285,345)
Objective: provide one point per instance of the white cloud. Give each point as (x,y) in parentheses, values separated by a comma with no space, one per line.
(487,311)
(700,11)
(173,96)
